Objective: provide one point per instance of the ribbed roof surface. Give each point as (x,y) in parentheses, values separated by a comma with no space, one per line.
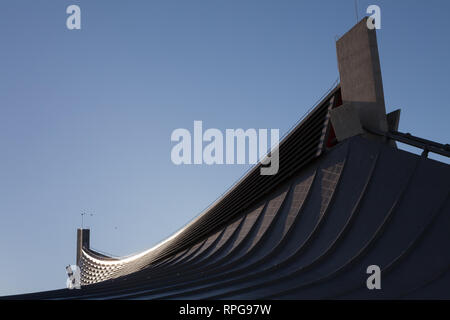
(314,235)
(303,144)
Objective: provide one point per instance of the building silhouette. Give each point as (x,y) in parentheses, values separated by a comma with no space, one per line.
(345,198)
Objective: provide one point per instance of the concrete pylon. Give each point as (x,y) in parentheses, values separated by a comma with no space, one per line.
(83,241)
(361,84)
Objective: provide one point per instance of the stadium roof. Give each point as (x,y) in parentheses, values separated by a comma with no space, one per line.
(344,198)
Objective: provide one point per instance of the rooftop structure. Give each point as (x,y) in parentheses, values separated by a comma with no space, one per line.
(344,198)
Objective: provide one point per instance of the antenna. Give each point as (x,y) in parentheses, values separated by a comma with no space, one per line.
(356,10)
(82,218)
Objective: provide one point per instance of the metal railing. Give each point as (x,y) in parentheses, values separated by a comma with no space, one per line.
(421,143)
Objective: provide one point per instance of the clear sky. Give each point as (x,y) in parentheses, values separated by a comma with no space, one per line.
(86,115)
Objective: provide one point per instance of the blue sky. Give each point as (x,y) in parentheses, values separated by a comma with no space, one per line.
(86,115)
